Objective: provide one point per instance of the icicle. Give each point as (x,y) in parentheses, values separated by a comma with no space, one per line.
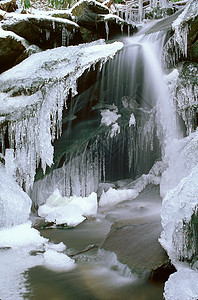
(128,30)
(107,29)
(64,37)
(47,35)
(122,28)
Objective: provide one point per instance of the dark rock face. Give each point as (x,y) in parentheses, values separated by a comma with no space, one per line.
(45,32)
(12,52)
(135,243)
(91,17)
(9,6)
(80,10)
(193,41)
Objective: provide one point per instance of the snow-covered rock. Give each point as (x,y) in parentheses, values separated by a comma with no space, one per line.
(43,30)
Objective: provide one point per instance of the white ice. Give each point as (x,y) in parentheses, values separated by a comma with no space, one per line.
(58,261)
(68,210)
(182,285)
(113,196)
(15,204)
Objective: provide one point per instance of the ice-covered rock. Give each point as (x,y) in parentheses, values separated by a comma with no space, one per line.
(13,49)
(32,101)
(180,44)
(178,236)
(181,156)
(182,285)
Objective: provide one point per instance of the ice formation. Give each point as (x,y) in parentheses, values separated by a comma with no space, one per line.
(58,261)
(81,173)
(182,285)
(71,211)
(112,196)
(42,91)
(15,204)
(178,42)
(181,156)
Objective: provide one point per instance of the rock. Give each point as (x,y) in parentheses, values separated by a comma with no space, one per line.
(12,50)
(83,8)
(64,14)
(193,52)
(96,21)
(165,24)
(8,5)
(135,242)
(193,40)
(43,31)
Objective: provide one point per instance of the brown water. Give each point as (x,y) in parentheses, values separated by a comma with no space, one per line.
(98,275)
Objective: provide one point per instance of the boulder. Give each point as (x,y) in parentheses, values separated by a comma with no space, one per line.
(135,242)
(12,50)
(8,5)
(43,31)
(96,21)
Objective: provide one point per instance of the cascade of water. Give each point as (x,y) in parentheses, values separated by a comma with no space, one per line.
(131,85)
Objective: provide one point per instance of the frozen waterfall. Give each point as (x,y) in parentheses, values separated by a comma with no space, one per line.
(125,87)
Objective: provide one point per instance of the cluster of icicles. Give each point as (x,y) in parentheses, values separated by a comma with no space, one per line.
(31,136)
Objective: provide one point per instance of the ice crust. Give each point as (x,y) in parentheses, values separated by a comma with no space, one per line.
(43,88)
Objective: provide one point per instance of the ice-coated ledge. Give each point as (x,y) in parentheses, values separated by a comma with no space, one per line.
(32,96)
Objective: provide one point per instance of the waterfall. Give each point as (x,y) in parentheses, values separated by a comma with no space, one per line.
(131,85)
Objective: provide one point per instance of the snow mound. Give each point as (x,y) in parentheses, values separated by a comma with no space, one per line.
(58,261)
(21,236)
(113,196)
(68,210)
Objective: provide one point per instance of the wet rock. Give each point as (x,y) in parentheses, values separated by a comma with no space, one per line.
(43,31)
(165,24)
(8,5)
(135,242)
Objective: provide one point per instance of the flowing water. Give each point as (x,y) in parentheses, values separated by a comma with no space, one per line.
(98,274)
(130,85)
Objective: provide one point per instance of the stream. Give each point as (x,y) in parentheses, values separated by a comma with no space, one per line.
(98,274)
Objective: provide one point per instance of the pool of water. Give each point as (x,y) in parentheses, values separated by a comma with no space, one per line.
(98,274)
